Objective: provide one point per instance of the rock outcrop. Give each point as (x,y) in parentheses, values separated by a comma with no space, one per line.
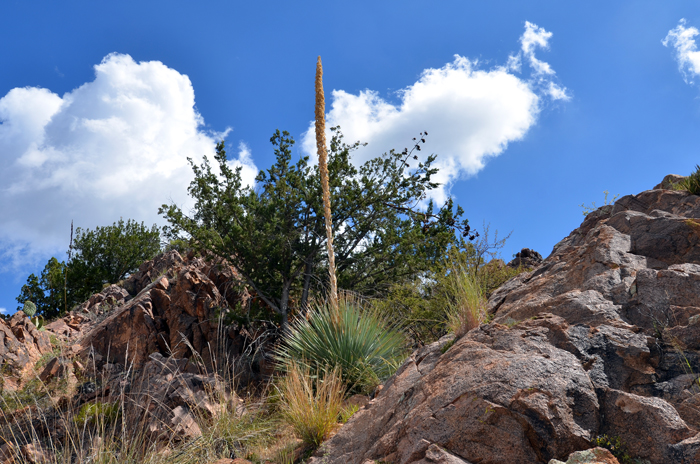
(602,337)
(526,258)
(169,395)
(172,307)
(21,346)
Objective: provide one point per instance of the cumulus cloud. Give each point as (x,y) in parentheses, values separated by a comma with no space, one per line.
(682,39)
(471,114)
(245,161)
(114,147)
(4,311)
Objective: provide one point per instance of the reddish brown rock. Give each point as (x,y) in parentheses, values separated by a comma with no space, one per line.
(436,455)
(21,346)
(669,181)
(603,339)
(7,454)
(173,314)
(174,393)
(684,452)
(645,425)
(54,368)
(34,453)
(498,395)
(526,258)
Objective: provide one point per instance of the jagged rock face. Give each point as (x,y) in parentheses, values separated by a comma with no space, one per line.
(601,338)
(21,346)
(174,311)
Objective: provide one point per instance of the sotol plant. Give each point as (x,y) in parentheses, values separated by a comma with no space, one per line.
(358,342)
(690,184)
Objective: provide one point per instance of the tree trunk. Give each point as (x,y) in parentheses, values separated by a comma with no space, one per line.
(307,284)
(284,308)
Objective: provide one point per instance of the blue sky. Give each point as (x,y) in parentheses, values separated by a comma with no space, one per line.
(532,107)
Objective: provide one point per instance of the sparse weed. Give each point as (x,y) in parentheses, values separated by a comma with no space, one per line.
(347,413)
(617,448)
(589,209)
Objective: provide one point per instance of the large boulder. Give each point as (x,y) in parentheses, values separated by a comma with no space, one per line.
(600,338)
(497,395)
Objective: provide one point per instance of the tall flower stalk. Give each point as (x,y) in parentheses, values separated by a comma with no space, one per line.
(323,167)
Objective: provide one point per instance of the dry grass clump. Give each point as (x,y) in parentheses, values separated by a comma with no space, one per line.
(311,406)
(468,302)
(42,423)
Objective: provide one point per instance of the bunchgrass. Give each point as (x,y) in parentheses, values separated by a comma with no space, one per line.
(311,404)
(468,305)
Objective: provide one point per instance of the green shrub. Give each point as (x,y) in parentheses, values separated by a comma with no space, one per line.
(426,306)
(360,344)
(586,210)
(690,184)
(617,448)
(97,413)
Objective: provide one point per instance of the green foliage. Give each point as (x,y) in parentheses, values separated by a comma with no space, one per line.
(347,413)
(362,346)
(467,305)
(617,448)
(589,209)
(690,184)
(29,308)
(447,346)
(274,235)
(109,254)
(46,291)
(424,305)
(94,413)
(38,322)
(104,255)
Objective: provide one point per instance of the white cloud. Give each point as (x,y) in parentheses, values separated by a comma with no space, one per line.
(114,147)
(536,37)
(532,38)
(4,311)
(683,40)
(245,161)
(470,114)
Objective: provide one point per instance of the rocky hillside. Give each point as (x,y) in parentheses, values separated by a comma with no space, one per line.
(156,337)
(601,338)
